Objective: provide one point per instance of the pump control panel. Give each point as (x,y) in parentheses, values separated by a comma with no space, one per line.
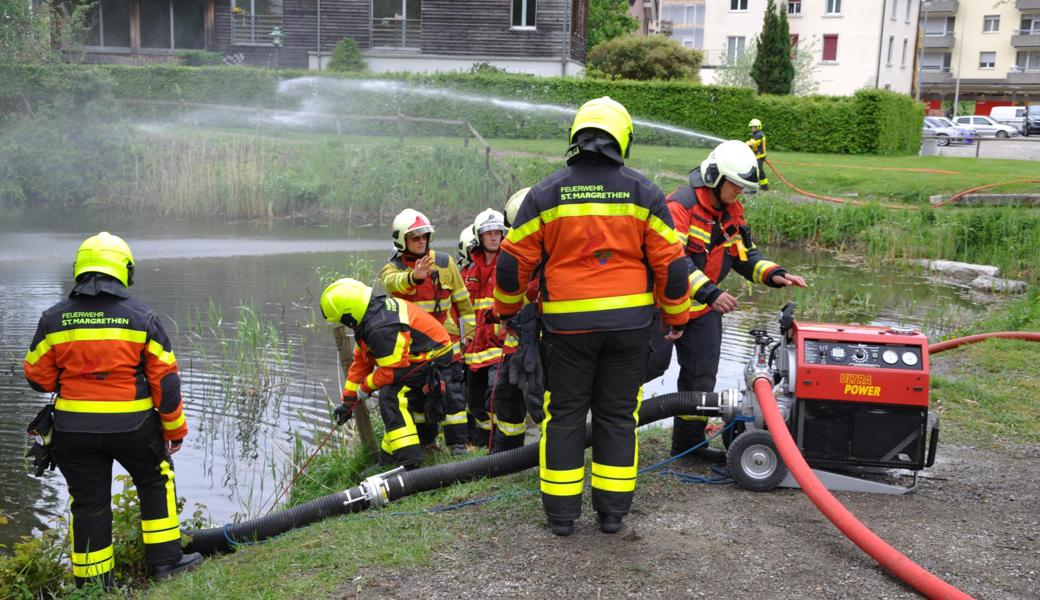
(887,356)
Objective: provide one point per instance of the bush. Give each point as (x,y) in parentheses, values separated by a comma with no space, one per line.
(200,58)
(643,58)
(346,58)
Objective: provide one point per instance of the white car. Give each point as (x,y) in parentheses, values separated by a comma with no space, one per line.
(942,130)
(987,127)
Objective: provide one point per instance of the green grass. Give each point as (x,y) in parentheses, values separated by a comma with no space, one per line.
(989,392)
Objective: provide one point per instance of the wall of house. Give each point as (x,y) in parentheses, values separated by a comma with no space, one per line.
(863,28)
(389,63)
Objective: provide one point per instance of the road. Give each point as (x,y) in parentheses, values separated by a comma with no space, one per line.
(1021,148)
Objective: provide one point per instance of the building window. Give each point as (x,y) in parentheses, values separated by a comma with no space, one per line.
(1030,24)
(734,48)
(523,13)
(940,26)
(891,47)
(738,4)
(1027,60)
(903,61)
(794,7)
(253,20)
(936,61)
(397,24)
(160,25)
(683,14)
(830,47)
(895,8)
(833,7)
(991,24)
(909,7)
(987,60)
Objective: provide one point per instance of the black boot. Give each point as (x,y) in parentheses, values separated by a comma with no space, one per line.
(609,523)
(687,434)
(186,563)
(561,527)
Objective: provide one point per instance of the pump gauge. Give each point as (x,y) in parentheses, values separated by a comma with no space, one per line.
(909,358)
(838,353)
(890,357)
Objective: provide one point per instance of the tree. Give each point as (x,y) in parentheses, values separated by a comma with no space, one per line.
(772,70)
(638,57)
(346,57)
(33,32)
(738,73)
(609,19)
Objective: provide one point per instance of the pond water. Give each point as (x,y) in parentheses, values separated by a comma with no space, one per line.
(233,452)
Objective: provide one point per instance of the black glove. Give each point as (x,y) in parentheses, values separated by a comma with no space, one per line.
(343,413)
(42,458)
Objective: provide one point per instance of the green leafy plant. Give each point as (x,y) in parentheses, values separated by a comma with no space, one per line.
(347,58)
(609,19)
(199,58)
(644,58)
(772,69)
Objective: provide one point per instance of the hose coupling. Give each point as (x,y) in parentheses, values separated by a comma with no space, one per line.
(730,404)
(375,490)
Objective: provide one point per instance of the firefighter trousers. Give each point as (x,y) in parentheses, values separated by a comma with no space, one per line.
(601,371)
(698,350)
(402,406)
(506,402)
(478,420)
(85,460)
(763,177)
(453,374)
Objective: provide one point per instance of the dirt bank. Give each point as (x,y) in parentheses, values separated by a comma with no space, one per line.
(974,521)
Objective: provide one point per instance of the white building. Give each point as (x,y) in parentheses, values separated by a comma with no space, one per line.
(993,47)
(855,43)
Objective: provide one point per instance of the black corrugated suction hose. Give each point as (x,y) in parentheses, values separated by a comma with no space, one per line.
(224,539)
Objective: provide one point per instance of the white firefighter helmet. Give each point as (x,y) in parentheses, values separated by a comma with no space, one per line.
(409,221)
(467,243)
(734,161)
(489,220)
(513,205)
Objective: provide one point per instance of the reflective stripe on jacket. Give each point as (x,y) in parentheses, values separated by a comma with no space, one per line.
(716,241)
(394,336)
(757,143)
(609,250)
(485,348)
(111,364)
(436,294)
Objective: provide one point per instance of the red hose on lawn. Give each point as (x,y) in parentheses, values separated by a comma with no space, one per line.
(898,564)
(1031,336)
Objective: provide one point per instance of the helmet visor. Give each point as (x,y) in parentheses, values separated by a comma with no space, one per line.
(419,231)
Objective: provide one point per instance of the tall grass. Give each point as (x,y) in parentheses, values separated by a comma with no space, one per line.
(245,375)
(239,176)
(1008,237)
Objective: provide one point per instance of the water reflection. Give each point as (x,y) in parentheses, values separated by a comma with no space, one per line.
(197,276)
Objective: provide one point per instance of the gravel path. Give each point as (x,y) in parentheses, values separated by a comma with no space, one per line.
(974,521)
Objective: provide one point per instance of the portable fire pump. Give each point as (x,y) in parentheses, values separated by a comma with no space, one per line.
(855,399)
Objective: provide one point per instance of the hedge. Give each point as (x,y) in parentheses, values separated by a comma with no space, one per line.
(868,122)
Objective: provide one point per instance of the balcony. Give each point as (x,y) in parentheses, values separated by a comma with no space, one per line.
(1026,38)
(1021,76)
(253,30)
(944,41)
(934,75)
(944,7)
(1027,4)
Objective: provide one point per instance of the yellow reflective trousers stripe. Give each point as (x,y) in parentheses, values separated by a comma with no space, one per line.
(407,435)
(93,564)
(164,529)
(103,406)
(597,304)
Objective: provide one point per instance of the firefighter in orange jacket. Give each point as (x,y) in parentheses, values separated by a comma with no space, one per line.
(397,346)
(432,281)
(111,365)
(488,388)
(610,256)
(709,219)
(757,143)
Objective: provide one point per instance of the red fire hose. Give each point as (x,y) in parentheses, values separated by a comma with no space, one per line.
(1031,336)
(898,564)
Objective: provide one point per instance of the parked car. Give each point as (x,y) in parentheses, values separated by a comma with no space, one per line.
(986,126)
(944,131)
(1014,116)
(1032,124)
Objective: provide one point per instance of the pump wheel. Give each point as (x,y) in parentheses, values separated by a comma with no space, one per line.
(754,462)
